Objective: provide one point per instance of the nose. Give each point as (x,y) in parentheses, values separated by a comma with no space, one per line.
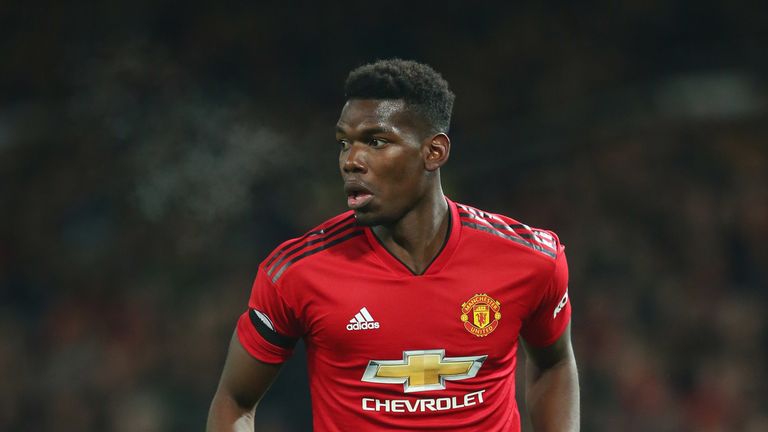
(354,160)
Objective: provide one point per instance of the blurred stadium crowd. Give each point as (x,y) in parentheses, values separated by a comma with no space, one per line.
(150,157)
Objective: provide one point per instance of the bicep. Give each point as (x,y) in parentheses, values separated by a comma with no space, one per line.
(550,355)
(245,379)
(552,385)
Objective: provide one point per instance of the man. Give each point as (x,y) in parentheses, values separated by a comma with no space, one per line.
(410,305)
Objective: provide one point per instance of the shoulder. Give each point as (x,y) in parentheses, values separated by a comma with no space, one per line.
(504,229)
(329,234)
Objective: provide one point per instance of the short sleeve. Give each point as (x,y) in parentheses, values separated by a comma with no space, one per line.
(268,330)
(550,319)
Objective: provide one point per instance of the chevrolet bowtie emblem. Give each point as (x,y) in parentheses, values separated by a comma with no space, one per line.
(423,370)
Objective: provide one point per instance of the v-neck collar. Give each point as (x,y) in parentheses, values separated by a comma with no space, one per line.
(442,257)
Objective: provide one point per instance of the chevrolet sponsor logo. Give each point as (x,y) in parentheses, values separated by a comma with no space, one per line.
(423,405)
(423,370)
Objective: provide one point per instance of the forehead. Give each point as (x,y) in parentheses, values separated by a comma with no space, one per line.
(375,113)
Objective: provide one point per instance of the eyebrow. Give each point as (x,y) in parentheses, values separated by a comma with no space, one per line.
(367,131)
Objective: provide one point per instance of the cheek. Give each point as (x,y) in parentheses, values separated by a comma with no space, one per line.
(404,171)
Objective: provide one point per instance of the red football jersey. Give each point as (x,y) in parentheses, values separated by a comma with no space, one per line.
(391,350)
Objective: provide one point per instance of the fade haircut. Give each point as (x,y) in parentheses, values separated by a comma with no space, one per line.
(423,89)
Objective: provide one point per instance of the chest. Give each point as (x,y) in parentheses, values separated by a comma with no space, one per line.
(474,307)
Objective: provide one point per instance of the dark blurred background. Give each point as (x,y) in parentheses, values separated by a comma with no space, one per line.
(152,153)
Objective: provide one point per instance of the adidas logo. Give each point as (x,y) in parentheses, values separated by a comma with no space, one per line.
(363,321)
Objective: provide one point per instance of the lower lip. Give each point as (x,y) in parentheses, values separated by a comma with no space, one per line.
(358,201)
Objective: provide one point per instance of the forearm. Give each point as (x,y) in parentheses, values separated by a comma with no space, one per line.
(552,396)
(226,415)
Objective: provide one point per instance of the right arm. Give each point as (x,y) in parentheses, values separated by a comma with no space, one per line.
(243,382)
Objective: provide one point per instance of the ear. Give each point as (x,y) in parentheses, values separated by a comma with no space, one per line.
(436,151)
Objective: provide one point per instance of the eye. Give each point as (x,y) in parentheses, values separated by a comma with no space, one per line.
(377,142)
(343,144)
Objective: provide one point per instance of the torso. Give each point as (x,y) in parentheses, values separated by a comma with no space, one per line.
(364,313)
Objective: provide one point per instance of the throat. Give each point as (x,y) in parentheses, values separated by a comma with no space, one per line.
(416,248)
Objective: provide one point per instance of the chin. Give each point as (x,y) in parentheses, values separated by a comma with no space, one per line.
(366,217)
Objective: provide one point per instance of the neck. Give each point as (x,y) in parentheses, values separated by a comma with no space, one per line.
(418,237)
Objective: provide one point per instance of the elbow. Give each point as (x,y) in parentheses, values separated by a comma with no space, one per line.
(229,414)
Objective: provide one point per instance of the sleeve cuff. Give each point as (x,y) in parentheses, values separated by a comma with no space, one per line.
(258,347)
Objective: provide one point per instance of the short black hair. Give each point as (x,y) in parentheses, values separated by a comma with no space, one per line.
(423,89)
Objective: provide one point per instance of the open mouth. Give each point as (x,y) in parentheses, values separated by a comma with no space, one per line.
(358,199)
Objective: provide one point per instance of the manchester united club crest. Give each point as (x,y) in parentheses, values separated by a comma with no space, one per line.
(480,315)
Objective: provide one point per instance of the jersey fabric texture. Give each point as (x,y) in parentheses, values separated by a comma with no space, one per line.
(391,350)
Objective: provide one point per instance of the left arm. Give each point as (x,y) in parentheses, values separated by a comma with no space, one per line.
(552,386)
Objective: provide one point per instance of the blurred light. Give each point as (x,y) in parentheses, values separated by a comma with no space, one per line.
(710,95)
